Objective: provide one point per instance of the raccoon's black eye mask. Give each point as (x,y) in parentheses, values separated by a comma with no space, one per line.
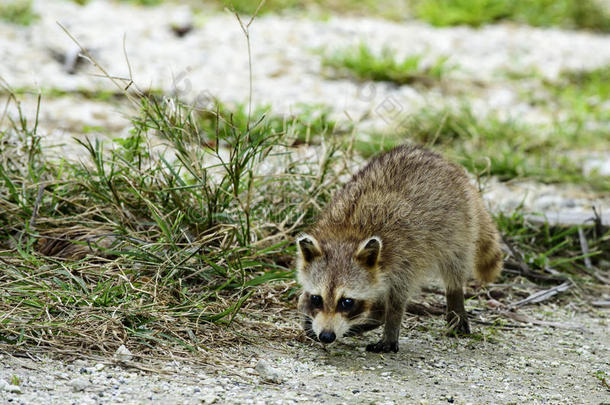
(345,304)
(316,301)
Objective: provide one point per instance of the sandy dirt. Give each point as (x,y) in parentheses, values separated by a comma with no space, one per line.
(563,364)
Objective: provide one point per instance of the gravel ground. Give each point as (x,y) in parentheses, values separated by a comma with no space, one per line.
(213,58)
(533,365)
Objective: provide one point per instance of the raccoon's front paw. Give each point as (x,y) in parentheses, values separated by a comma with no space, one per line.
(382,347)
(458,324)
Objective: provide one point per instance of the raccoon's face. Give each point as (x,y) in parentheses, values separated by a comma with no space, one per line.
(343,290)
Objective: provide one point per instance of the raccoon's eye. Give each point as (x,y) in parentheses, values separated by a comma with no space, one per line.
(316,301)
(345,304)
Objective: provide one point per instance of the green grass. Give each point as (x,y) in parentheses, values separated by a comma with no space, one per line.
(249,7)
(503,148)
(585,94)
(149,247)
(393,9)
(577,103)
(137,2)
(575,14)
(321,8)
(362,64)
(571,14)
(309,124)
(48,93)
(18,12)
(544,247)
(145,2)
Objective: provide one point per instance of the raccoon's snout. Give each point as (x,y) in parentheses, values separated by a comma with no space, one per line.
(327,336)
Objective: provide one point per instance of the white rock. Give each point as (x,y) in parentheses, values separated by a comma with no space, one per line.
(269,373)
(209,399)
(79,384)
(5,386)
(123,354)
(601,167)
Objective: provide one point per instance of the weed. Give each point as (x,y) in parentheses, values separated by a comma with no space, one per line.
(249,7)
(308,124)
(567,13)
(603,378)
(584,94)
(553,248)
(18,12)
(138,2)
(144,247)
(586,14)
(392,9)
(503,148)
(456,12)
(363,64)
(146,2)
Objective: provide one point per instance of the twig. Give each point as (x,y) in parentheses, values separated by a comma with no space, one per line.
(597,219)
(584,246)
(542,295)
(36,205)
(503,326)
(596,274)
(526,319)
(86,53)
(8,100)
(531,275)
(246,29)
(127,61)
(522,265)
(523,268)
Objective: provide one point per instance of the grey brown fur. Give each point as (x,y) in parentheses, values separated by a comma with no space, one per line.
(408,213)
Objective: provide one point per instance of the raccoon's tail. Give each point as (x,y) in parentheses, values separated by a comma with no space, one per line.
(489,255)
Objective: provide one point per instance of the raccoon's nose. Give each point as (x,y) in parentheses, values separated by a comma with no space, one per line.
(327,336)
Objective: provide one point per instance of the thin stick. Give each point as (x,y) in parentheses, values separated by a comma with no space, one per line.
(246,29)
(542,295)
(36,205)
(98,66)
(127,61)
(584,246)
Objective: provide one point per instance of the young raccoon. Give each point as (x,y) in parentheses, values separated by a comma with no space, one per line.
(406,214)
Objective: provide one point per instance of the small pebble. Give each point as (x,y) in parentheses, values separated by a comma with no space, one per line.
(123,354)
(79,384)
(269,373)
(5,386)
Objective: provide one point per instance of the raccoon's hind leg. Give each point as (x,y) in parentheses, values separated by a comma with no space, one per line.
(454,274)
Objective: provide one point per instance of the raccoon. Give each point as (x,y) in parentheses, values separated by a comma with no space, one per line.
(407,214)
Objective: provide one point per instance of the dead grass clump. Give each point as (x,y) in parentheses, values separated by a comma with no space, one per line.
(154,248)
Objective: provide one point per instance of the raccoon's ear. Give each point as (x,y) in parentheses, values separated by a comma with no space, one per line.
(308,247)
(368,252)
